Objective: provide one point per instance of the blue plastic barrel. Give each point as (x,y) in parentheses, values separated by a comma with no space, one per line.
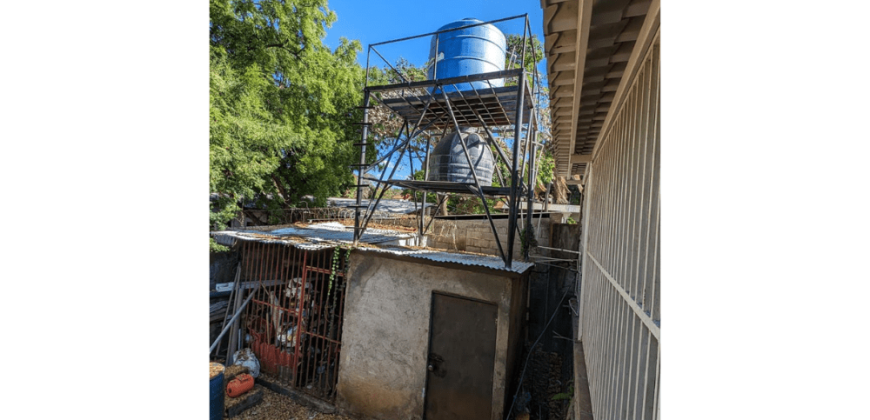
(216,395)
(479,49)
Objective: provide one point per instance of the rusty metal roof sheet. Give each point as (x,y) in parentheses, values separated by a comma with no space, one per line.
(320,235)
(332,234)
(488,261)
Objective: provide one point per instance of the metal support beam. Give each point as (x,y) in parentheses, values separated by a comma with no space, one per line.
(453,80)
(425,178)
(584,19)
(505,258)
(530,210)
(362,161)
(515,180)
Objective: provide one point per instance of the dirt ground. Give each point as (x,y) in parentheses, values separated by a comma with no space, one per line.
(275,406)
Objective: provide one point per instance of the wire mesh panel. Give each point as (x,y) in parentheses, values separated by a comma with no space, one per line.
(620,291)
(293,322)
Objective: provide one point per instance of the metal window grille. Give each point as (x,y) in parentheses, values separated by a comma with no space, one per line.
(293,322)
(620,309)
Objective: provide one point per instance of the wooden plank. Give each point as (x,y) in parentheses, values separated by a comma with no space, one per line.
(549,13)
(631,31)
(584,19)
(550,39)
(616,71)
(563,66)
(623,53)
(297,396)
(564,78)
(235,406)
(610,86)
(253,284)
(563,24)
(565,18)
(609,12)
(648,33)
(637,9)
(563,49)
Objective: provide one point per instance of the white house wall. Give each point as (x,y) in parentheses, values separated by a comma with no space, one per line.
(620,305)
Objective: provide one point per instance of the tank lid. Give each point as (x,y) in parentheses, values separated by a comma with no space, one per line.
(460,23)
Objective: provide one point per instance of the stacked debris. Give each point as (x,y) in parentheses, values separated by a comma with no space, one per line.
(548,395)
(556,401)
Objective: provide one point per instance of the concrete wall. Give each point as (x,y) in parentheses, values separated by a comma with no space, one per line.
(475,235)
(385,337)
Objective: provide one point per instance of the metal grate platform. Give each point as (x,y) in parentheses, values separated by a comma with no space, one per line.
(493,106)
(449,187)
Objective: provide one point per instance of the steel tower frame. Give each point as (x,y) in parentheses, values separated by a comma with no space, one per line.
(425,106)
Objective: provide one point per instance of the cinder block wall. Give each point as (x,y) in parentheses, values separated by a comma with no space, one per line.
(476,235)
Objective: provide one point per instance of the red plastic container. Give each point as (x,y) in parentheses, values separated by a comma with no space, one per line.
(240,385)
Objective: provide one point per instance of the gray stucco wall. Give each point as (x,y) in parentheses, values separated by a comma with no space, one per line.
(385,335)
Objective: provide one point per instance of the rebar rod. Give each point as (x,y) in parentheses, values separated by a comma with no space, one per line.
(450,30)
(501,74)
(388,63)
(361,170)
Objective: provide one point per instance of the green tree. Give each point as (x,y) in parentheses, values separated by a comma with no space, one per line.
(281,105)
(534,54)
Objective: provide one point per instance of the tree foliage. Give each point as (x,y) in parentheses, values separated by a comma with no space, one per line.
(281,105)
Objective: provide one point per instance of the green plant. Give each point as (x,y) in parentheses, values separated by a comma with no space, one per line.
(216,247)
(564,395)
(281,106)
(545,168)
(527,239)
(571,221)
(335,259)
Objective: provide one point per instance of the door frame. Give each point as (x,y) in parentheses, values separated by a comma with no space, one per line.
(429,342)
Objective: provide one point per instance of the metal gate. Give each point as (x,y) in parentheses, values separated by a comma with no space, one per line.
(293,322)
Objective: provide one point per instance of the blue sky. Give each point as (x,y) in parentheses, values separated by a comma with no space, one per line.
(383,20)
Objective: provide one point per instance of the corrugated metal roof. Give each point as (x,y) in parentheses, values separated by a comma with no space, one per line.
(487,261)
(386,205)
(327,235)
(320,235)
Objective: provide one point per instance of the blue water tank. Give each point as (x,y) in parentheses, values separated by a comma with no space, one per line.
(479,49)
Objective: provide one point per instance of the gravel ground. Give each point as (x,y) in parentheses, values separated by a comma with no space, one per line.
(275,406)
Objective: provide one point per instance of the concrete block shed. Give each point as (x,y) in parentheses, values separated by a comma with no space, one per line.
(423,333)
(430,335)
